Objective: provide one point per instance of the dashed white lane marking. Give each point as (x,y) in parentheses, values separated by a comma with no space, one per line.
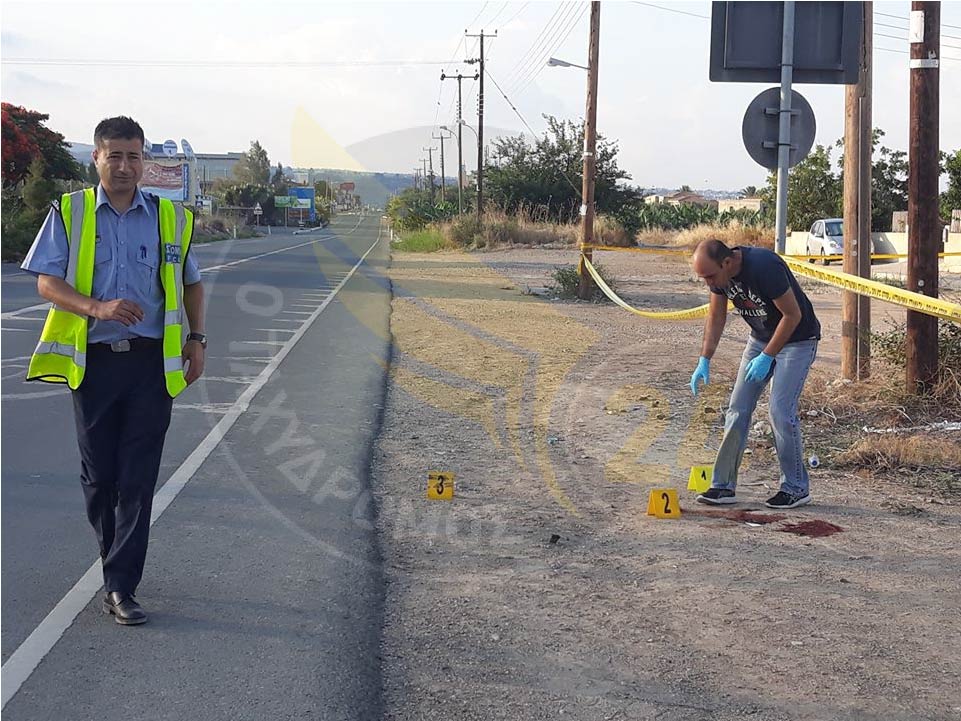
(296,312)
(22,662)
(21,311)
(275,330)
(258,342)
(18,330)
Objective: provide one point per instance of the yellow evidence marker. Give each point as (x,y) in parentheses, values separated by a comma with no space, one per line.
(663,503)
(700,479)
(440,486)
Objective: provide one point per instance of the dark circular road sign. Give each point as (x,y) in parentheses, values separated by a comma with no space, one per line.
(760,128)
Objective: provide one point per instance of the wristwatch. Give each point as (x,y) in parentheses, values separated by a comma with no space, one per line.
(199,337)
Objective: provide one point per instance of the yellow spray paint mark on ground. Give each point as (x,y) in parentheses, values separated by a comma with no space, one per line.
(467,404)
(548,343)
(624,465)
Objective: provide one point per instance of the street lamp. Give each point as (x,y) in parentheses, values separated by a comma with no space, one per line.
(557,63)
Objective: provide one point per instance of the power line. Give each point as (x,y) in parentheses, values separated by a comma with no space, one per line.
(226,64)
(537,58)
(559,43)
(527,125)
(672,10)
(898,37)
(483,8)
(901,17)
(514,16)
(898,27)
(516,72)
(497,14)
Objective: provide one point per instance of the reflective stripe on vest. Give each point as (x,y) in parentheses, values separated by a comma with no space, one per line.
(60,356)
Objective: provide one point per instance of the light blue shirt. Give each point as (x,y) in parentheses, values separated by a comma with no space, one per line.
(127,263)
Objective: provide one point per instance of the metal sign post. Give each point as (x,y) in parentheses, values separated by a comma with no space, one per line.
(784,128)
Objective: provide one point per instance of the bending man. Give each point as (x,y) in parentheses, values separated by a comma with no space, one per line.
(783,343)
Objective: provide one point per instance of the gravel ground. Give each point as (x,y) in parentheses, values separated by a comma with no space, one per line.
(543,591)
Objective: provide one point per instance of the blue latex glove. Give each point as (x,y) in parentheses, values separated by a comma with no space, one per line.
(758,368)
(701,373)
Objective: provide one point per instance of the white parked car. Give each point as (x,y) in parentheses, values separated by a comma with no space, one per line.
(826,237)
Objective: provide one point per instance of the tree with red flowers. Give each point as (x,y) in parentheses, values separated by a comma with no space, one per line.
(26,136)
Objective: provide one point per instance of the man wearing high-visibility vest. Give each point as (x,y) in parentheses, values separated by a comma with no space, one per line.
(115,263)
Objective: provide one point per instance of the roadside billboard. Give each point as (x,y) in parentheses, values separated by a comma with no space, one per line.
(167,179)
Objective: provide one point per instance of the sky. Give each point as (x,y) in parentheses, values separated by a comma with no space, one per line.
(308,79)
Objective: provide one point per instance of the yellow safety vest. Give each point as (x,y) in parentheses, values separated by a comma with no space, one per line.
(61,354)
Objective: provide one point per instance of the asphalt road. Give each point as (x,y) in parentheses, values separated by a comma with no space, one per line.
(263,577)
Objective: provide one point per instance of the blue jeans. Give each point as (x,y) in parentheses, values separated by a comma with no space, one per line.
(787,378)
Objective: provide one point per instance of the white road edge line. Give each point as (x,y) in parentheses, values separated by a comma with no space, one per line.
(22,662)
(45,306)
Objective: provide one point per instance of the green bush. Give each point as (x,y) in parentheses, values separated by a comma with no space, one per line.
(566,281)
(422,241)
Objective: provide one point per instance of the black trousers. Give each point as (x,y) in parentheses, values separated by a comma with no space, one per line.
(122,411)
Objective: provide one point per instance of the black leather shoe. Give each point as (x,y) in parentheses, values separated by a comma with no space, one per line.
(125,610)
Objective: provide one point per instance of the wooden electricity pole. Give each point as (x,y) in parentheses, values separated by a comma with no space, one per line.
(460,137)
(585,284)
(924,225)
(480,124)
(858,136)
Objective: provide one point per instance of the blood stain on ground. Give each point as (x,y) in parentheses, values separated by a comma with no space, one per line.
(742,516)
(812,529)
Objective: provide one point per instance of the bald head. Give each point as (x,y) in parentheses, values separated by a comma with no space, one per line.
(715,263)
(713,249)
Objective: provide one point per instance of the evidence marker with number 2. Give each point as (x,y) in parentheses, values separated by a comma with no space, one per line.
(440,486)
(663,503)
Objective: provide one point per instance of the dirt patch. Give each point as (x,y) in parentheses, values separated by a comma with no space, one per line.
(812,529)
(558,418)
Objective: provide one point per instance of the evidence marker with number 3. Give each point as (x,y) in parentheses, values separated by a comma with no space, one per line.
(663,503)
(440,486)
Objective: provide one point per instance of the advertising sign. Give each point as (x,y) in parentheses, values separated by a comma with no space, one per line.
(167,180)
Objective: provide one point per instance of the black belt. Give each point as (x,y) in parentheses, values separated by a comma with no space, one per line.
(129,344)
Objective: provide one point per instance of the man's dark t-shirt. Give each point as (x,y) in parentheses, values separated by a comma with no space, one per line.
(764,276)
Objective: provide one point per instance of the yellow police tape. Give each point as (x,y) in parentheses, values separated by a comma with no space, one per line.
(874,289)
(689,314)
(874,256)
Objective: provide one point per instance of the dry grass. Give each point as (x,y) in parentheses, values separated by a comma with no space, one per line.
(911,452)
(882,400)
(733,234)
(841,411)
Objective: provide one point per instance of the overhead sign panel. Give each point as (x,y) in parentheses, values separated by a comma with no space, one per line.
(746,42)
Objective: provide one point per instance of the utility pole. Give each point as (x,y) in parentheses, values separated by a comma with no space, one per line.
(858,137)
(423,178)
(430,160)
(443,182)
(480,124)
(924,226)
(585,284)
(460,137)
